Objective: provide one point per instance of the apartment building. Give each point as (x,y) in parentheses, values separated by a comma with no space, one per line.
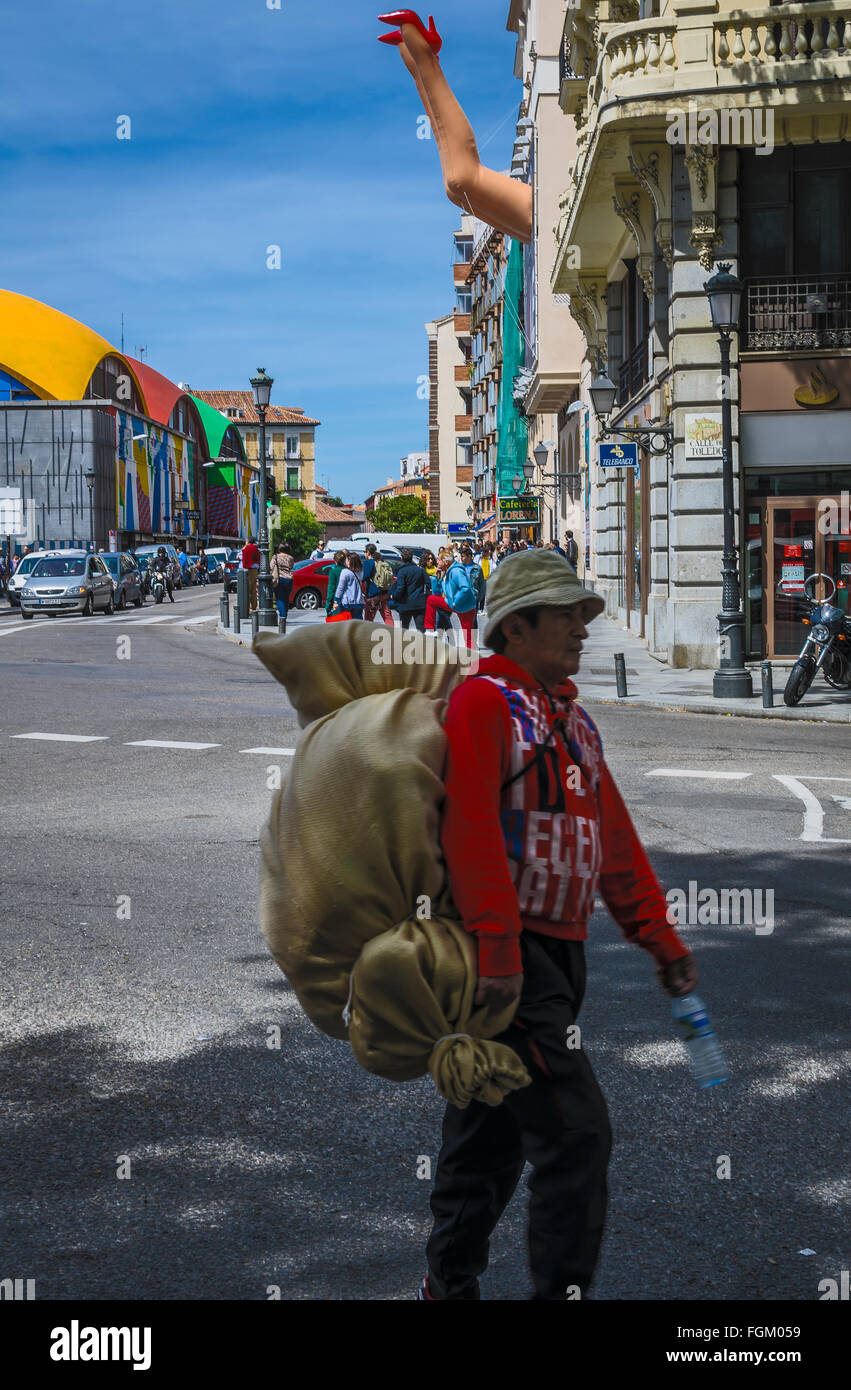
(707,134)
(449,422)
(553,344)
(290,441)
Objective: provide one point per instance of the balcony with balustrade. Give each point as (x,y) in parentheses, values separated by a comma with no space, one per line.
(796,314)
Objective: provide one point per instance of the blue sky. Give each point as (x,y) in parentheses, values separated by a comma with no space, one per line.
(250,127)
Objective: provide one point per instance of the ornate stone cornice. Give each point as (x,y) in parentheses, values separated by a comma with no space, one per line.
(651,167)
(633,208)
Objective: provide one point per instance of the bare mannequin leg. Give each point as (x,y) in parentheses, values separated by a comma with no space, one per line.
(499,201)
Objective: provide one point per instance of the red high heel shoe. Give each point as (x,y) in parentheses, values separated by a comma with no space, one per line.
(430,34)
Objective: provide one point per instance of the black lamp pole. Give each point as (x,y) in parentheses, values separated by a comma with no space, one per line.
(90,483)
(732,680)
(261,385)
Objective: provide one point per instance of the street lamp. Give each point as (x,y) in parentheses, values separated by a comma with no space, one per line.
(603,392)
(89,476)
(261,385)
(731,680)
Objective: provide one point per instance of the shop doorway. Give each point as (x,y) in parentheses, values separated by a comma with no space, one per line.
(799,542)
(637,553)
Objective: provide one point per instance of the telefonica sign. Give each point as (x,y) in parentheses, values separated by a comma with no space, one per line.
(519,511)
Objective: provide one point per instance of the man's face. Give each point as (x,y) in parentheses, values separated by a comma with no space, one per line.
(552,651)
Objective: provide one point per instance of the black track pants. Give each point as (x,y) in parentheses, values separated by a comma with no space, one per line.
(560,1124)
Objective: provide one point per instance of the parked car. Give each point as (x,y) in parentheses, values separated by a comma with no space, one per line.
(68,581)
(174,570)
(220,553)
(215,570)
(21,574)
(126,579)
(310,581)
(231,569)
(143,564)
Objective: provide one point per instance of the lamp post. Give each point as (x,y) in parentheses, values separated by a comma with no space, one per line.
(731,680)
(89,476)
(261,385)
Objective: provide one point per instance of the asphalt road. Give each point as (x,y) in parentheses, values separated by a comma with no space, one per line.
(144,1036)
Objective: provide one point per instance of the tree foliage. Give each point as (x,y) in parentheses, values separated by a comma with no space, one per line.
(299,528)
(402,514)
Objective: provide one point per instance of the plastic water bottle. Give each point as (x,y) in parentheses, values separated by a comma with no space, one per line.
(695,1026)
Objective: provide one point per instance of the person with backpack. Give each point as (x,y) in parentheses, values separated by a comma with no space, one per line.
(475,576)
(411,588)
(571,550)
(377,582)
(349,593)
(533,828)
(451,592)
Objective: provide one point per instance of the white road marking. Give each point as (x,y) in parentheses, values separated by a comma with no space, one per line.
(283,752)
(205,618)
(168,743)
(4,632)
(65,738)
(695,772)
(813,809)
(158,618)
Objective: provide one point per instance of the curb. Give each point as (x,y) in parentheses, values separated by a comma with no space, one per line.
(639,702)
(790,715)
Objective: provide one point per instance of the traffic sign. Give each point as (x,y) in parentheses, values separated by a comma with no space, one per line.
(618,456)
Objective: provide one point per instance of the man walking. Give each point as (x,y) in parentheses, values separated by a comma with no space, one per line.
(571,550)
(410,590)
(475,576)
(451,592)
(533,828)
(250,561)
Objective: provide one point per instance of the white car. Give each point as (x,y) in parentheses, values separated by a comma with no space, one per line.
(19,578)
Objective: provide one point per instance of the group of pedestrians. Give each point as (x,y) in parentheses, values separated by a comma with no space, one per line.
(428,591)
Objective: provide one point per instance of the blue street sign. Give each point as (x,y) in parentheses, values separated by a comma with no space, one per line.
(618,456)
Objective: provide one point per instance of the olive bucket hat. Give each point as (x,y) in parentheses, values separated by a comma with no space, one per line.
(536,578)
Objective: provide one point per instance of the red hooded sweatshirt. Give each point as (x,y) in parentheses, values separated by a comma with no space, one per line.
(534,826)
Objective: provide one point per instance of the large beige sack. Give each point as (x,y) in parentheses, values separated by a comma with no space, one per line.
(351,853)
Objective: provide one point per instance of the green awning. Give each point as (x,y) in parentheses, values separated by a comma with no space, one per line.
(215,426)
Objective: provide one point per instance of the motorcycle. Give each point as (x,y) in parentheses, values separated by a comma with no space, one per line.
(158,586)
(827,648)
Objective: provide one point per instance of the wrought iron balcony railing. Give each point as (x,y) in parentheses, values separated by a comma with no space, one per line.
(632,374)
(797,313)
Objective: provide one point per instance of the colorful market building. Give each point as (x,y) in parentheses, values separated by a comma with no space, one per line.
(99,449)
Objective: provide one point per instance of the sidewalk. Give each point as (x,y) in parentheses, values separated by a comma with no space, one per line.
(652,684)
(655,685)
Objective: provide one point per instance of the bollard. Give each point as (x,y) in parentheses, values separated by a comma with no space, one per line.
(767,686)
(242,595)
(255,622)
(620,675)
(224,611)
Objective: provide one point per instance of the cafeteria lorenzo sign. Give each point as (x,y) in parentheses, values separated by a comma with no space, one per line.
(519,511)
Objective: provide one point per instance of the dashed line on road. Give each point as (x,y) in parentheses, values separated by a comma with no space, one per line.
(714,774)
(169,743)
(65,738)
(282,752)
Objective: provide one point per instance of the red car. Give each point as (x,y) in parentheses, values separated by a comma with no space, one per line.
(310,581)
(310,584)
